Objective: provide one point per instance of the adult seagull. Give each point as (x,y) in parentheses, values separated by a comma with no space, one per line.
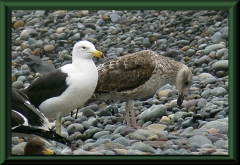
(67,88)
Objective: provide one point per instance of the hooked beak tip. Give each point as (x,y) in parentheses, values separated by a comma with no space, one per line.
(180,99)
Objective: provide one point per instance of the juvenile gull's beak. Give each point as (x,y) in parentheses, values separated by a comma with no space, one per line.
(97,54)
(180,98)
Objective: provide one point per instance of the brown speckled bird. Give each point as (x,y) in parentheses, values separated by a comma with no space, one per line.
(140,75)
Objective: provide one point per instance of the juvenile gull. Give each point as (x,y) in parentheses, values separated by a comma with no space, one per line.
(67,88)
(37,147)
(28,121)
(139,75)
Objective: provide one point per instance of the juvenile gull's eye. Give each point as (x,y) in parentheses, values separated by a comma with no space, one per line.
(186,83)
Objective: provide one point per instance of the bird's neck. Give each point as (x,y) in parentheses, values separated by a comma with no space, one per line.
(83,63)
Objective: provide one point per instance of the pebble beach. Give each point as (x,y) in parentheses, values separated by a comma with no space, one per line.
(42,41)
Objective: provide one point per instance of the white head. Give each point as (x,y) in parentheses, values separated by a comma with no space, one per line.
(183,82)
(85,50)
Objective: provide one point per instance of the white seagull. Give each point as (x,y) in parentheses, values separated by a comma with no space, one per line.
(67,88)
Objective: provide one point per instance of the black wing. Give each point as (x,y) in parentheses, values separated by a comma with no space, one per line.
(47,135)
(21,104)
(21,108)
(47,86)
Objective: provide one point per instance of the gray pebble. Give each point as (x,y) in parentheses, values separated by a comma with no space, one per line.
(75,127)
(99,134)
(210,48)
(211,80)
(155,111)
(216,36)
(146,42)
(219,91)
(133,152)
(187,123)
(48,48)
(204,76)
(218,124)
(24,35)
(114,17)
(220,52)
(224,32)
(171,53)
(199,139)
(220,65)
(143,147)
(122,141)
(17,84)
(86,124)
(206,93)
(21,78)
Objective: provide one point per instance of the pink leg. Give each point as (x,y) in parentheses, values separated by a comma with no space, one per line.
(130,105)
(127,114)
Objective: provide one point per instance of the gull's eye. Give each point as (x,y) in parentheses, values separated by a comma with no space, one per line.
(84,47)
(186,83)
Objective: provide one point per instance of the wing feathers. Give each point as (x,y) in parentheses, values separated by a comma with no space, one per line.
(47,86)
(126,72)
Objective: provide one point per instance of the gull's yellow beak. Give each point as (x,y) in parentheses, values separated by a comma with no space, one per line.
(98,54)
(48,152)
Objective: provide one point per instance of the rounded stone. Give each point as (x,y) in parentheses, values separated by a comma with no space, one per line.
(88,113)
(24,35)
(199,140)
(85,12)
(76,127)
(123,141)
(204,76)
(17,84)
(100,134)
(86,124)
(165,119)
(155,111)
(206,93)
(18,24)
(60,13)
(219,91)
(21,78)
(210,48)
(185,48)
(31,41)
(220,65)
(48,48)
(24,46)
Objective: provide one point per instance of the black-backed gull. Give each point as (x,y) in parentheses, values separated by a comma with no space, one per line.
(28,121)
(140,75)
(67,88)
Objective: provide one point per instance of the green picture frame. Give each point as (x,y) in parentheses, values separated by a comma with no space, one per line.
(5,75)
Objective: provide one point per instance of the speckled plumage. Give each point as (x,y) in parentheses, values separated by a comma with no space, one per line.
(140,75)
(137,75)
